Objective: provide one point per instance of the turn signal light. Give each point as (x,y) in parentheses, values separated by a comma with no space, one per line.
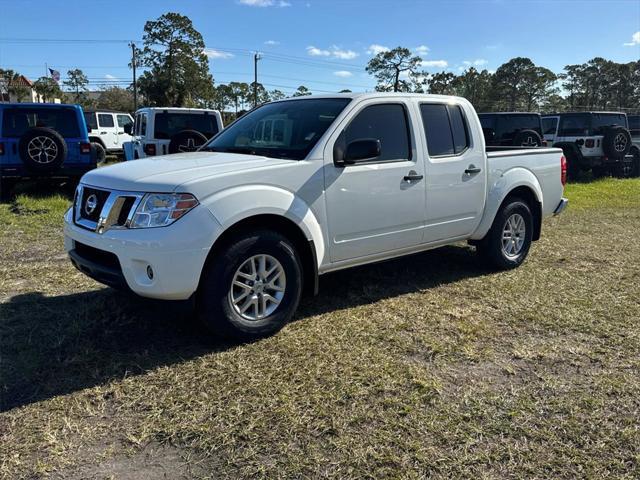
(563,170)
(150,149)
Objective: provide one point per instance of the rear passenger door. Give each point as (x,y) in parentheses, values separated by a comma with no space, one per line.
(108,131)
(455,173)
(375,205)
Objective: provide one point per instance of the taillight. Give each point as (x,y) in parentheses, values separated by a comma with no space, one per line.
(85,148)
(563,170)
(1,148)
(590,143)
(150,149)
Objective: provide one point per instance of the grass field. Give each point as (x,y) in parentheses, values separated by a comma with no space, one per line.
(428,366)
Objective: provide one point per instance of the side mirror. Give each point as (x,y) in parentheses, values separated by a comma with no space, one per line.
(363,149)
(128,128)
(89,129)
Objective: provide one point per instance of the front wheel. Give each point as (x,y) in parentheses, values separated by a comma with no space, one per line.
(508,242)
(251,288)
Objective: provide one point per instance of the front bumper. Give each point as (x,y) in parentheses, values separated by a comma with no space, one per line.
(176,254)
(561,206)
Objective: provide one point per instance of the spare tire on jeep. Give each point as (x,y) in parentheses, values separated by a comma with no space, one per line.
(186,141)
(42,150)
(527,138)
(616,142)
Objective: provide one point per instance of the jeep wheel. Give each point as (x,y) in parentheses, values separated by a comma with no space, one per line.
(508,242)
(99,152)
(616,142)
(251,288)
(527,138)
(42,150)
(186,141)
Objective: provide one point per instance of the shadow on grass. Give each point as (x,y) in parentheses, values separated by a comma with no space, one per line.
(51,346)
(37,188)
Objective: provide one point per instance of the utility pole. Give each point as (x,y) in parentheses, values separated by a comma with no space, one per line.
(256,57)
(135,86)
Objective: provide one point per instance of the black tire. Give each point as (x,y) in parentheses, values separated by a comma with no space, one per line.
(635,163)
(99,153)
(42,160)
(527,138)
(616,142)
(215,307)
(186,141)
(491,246)
(573,166)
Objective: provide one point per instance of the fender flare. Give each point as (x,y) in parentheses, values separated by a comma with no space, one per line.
(496,194)
(229,207)
(94,139)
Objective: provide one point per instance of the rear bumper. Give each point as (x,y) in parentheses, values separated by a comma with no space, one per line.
(561,206)
(19,171)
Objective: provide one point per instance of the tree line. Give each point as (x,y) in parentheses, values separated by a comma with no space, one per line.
(176,73)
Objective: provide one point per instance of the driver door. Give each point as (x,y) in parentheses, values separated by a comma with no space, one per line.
(374,205)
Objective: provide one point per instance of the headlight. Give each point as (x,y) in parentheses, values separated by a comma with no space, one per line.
(162,209)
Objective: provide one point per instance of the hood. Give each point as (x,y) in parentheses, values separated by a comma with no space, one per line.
(165,173)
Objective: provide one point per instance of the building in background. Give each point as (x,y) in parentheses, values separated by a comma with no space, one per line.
(9,87)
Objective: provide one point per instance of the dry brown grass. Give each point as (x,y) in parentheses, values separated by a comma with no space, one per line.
(428,366)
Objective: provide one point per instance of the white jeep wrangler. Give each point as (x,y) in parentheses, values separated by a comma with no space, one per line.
(596,141)
(161,131)
(107,131)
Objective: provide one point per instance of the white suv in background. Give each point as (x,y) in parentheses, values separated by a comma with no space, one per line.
(107,131)
(161,131)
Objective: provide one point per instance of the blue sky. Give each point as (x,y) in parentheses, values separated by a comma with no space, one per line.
(323,44)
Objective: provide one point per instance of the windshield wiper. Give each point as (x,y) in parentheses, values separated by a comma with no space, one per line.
(245,150)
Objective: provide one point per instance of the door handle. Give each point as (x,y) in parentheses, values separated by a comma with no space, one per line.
(472,169)
(413,176)
(103,133)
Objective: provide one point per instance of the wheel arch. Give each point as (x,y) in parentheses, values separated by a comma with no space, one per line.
(522,184)
(93,139)
(305,247)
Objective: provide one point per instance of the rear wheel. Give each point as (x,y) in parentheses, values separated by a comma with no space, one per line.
(508,242)
(99,152)
(251,288)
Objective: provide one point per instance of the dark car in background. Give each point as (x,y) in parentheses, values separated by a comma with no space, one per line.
(43,140)
(512,129)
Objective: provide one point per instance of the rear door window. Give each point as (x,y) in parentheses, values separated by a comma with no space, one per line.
(16,121)
(574,125)
(105,120)
(167,124)
(549,125)
(387,123)
(445,128)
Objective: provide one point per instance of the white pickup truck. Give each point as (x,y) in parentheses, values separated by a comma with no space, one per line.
(301,187)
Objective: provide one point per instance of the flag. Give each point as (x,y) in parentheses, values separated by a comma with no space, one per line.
(55,75)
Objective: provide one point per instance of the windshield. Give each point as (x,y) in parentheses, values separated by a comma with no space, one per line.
(167,124)
(586,124)
(16,121)
(287,129)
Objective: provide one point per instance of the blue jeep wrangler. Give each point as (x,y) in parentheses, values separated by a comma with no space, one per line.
(43,140)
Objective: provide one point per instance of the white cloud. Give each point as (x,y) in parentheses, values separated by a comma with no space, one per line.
(217,54)
(272,42)
(478,62)
(343,74)
(265,3)
(110,77)
(422,50)
(635,40)
(435,63)
(316,52)
(375,49)
(334,51)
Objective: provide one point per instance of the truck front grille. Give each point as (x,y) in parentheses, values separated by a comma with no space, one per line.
(100,210)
